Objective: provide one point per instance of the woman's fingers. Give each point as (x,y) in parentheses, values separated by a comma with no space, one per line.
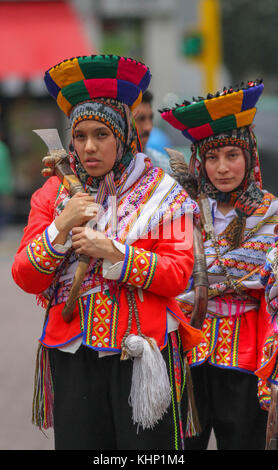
(46,172)
(90,242)
(77,231)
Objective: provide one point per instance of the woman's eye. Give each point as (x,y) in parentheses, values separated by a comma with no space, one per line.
(102,134)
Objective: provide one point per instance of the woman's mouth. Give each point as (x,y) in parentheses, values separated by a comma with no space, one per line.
(92,162)
(224,181)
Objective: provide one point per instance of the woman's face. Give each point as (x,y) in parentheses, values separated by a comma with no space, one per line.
(225,167)
(96,147)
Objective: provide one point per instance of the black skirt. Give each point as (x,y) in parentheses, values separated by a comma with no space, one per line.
(91,409)
(227,402)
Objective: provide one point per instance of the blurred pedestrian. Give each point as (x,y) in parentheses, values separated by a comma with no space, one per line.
(144,124)
(126,307)
(238,221)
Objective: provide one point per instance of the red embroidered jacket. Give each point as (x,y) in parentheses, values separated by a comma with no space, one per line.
(162,271)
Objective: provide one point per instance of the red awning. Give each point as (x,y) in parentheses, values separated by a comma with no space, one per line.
(34,36)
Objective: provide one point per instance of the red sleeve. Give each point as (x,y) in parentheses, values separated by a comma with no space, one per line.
(165,269)
(36,260)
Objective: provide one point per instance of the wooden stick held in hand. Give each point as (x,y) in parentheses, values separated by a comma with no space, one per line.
(182,174)
(59,165)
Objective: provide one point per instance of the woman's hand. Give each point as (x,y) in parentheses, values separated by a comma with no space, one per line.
(80,209)
(94,244)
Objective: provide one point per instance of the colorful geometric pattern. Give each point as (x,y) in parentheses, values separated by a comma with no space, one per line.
(264,394)
(269,356)
(101,321)
(220,344)
(131,204)
(82,304)
(139,267)
(216,114)
(226,351)
(42,255)
(85,78)
(252,252)
(177,379)
(104,111)
(273,378)
(205,348)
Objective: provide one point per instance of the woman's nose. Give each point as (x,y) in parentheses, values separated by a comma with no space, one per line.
(222,166)
(90,145)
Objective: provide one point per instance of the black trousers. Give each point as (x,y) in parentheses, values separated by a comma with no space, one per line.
(227,403)
(91,410)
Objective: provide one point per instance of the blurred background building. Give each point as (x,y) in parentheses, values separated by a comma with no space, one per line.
(191,47)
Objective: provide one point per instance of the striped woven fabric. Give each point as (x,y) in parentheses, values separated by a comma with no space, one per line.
(218,113)
(84,78)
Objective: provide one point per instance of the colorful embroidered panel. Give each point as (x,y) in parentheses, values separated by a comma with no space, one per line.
(220,344)
(139,267)
(42,255)
(210,332)
(101,321)
(226,350)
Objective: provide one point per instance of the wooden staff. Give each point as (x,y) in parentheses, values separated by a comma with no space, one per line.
(60,166)
(200,277)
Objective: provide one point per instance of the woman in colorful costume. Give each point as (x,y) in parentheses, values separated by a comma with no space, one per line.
(127,298)
(268,370)
(238,219)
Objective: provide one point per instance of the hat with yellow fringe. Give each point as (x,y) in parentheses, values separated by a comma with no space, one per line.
(85,78)
(203,118)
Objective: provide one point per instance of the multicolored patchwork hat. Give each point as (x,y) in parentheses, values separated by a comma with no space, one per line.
(85,78)
(219,113)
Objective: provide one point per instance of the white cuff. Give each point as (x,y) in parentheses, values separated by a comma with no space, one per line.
(53,233)
(113,271)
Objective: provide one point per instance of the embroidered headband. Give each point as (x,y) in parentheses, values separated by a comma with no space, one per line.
(219,113)
(87,78)
(236,137)
(105,110)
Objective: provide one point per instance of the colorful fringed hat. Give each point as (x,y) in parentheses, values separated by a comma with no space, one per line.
(216,114)
(84,78)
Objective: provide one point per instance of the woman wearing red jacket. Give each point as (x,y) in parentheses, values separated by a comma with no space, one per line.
(141,258)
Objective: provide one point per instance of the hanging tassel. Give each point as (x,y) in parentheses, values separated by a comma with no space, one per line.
(150,394)
(193,427)
(42,408)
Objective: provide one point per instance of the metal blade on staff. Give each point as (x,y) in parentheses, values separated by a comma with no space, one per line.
(59,162)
